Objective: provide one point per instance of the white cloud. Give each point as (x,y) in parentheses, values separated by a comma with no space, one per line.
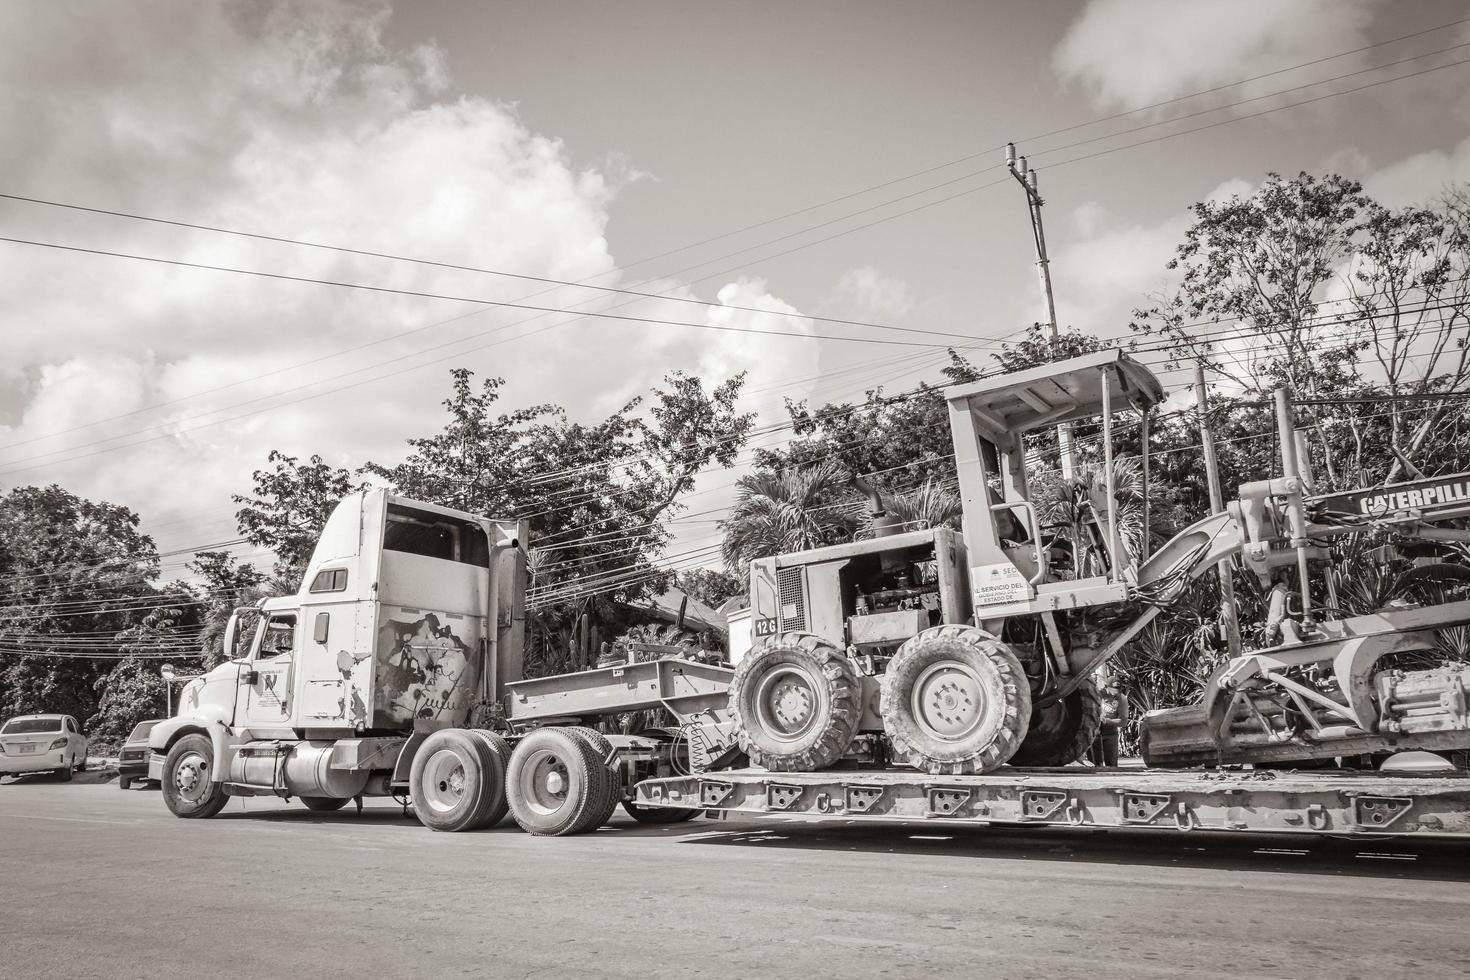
(1129,53)
(297,120)
(867,294)
(1419,178)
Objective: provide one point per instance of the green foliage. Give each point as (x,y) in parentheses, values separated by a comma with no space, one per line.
(72,574)
(227,584)
(289,506)
(793,510)
(709,585)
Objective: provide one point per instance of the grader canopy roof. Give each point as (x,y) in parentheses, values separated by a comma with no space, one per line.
(1064,391)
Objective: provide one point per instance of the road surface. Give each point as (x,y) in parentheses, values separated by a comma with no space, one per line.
(98,882)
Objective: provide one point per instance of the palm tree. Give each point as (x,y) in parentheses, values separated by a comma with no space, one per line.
(777,513)
(930,505)
(1068,505)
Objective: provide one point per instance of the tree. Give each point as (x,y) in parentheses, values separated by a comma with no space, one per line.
(796,509)
(227,584)
(73,572)
(289,507)
(598,494)
(709,585)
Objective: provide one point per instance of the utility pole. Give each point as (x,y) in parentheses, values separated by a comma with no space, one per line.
(1026,177)
(1217,505)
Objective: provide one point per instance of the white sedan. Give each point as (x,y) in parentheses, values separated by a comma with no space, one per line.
(38,743)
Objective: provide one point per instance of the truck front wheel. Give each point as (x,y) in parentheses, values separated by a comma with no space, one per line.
(188,790)
(456,781)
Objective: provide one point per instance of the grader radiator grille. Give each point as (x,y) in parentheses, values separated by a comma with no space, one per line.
(791,596)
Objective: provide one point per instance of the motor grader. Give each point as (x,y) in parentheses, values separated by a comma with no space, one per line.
(957,653)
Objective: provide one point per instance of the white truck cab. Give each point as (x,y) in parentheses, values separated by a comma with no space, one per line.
(401,605)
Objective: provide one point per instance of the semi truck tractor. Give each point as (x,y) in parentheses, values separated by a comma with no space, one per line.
(408,625)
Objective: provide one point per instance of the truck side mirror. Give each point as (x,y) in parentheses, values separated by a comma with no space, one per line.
(319,629)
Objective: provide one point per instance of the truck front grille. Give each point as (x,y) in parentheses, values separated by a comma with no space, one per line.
(792,599)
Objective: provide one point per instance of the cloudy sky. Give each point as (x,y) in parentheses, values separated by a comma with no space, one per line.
(833,159)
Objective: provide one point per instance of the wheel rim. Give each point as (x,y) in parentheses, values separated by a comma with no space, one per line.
(544,780)
(444,783)
(191,776)
(949,701)
(787,703)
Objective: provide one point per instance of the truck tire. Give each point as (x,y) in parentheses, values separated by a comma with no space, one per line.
(188,791)
(124,782)
(556,783)
(955,701)
(610,787)
(659,814)
(454,780)
(499,806)
(1062,732)
(796,703)
(323,804)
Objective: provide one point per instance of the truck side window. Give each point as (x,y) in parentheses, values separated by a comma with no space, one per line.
(330,580)
(279,639)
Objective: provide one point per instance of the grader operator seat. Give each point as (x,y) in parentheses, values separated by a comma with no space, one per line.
(988,422)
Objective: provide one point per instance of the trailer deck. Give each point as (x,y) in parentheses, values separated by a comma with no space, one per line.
(1263,801)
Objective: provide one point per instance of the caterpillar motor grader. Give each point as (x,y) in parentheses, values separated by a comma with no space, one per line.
(957,653)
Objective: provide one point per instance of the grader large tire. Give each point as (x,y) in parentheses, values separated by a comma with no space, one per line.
(796,703)
(455,780)
(557,784)
(1061,732)
(955,701)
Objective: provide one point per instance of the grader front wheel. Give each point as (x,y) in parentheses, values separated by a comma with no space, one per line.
(796,702)
(955,701)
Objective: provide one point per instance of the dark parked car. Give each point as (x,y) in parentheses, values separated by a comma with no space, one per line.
(132,761)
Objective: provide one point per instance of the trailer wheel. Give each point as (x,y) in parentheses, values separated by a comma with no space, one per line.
(323,804)
(454,778)
(1063,731)
(955,700)
(796,703)
(556,783)
(187,789)
(499,806)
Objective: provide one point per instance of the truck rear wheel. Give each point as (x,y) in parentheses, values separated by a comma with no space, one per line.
(955,701)
(455,780)
(796,703)
(1062,732)
(323,804)
(611,782)
(501,749)
(187,789)
(557,784)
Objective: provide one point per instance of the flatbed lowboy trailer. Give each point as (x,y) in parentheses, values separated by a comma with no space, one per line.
(1264,801)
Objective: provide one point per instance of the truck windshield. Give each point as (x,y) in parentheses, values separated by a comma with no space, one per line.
(422,532)
(30,726)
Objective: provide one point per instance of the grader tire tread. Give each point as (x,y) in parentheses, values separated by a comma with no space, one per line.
(904,735)
(842,690)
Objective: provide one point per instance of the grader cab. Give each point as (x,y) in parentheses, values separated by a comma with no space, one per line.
(954,652)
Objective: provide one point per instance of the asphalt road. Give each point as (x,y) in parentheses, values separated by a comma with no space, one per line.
(97,882)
